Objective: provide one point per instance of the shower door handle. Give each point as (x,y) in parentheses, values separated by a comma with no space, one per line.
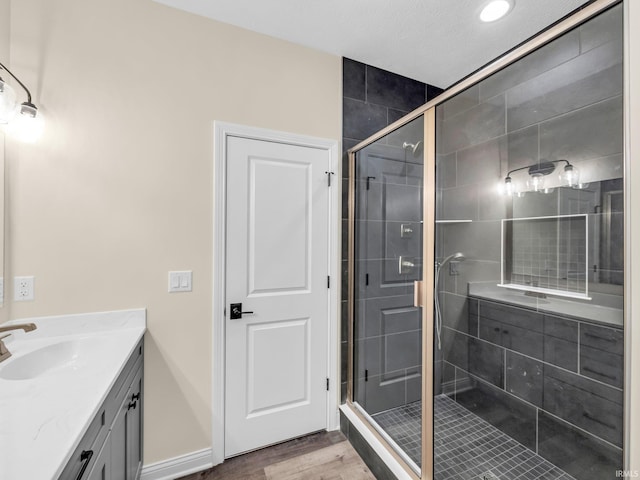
(417,293)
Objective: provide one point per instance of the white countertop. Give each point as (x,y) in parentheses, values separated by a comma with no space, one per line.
(43,419)
(607,313)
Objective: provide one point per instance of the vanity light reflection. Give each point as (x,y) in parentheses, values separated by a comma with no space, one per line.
(536,182)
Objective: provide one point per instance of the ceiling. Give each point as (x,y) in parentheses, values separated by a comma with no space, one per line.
(435,41)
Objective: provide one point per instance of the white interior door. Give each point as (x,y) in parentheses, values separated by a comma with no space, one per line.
(277,262)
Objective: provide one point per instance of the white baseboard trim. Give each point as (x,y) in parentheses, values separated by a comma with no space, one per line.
(178,466)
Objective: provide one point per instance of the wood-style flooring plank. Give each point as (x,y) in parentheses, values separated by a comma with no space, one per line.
(329,463)
(251,466)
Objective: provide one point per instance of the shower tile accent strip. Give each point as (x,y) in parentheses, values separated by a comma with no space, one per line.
(466,447)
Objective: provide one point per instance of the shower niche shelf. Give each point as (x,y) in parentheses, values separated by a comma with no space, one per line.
(546,291)
(546,255)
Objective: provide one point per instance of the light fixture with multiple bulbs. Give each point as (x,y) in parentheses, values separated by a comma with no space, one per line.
(495,10)
(23,121)
(569,177)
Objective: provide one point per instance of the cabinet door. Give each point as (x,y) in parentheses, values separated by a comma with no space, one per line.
(126,434)
(102,467)
(134,428)
(119,443)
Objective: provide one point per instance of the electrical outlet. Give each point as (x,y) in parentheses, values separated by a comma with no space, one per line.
(23,288)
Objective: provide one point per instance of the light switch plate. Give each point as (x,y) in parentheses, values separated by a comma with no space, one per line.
(180,281)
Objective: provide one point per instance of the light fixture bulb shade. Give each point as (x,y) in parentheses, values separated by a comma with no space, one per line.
(28,109)
(8,102)
(507,187)
(536,182)
(570,176)
(28,126)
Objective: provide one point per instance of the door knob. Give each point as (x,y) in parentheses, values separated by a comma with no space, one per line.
(236,311)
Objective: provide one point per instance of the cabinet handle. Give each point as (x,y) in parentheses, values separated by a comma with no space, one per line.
(131,405)
(85,458)
(135,396)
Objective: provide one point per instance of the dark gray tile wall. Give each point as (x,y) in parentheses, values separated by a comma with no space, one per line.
(579,454)
(558,379)
(388,330)
(563,101)
(372,99)
(514,417)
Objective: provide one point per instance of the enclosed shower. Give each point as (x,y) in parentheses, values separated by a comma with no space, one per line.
(486,267)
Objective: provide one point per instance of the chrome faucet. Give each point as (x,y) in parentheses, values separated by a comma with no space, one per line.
(4,351)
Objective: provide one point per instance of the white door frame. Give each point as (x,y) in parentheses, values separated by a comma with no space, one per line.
(222,130)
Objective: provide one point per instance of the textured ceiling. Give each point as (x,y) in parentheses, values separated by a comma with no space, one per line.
(435,41)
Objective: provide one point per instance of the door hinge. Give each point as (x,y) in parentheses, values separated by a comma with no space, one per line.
(366,375)
(329,178)
(327,384)
(366,279)
(328,281)
(369,181)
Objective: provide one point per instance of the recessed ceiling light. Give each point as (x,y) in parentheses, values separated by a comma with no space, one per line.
(495,10)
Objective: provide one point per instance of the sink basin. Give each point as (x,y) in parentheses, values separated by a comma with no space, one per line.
(68,353)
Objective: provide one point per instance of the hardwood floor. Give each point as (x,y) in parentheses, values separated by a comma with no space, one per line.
(320,456)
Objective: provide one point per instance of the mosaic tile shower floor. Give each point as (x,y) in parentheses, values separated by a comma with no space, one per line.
(466,447)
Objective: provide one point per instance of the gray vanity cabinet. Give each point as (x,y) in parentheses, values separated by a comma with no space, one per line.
(134,430)
(102,468)
(111,448)
(126,448)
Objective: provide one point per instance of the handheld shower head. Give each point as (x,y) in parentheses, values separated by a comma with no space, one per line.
(456,257)
(414,147)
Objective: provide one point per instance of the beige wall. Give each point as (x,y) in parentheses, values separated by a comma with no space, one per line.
(5,31)
(633,238)
(120,189)
(5,34)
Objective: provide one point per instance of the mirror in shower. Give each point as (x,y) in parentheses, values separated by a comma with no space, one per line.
(388,259)
(601,201)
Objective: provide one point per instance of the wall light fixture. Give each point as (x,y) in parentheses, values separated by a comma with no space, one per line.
(569,177)
(23,120)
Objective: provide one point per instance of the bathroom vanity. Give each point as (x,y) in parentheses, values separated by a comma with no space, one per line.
(72,398)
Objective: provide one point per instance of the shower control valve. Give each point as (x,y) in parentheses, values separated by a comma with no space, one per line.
(406,230)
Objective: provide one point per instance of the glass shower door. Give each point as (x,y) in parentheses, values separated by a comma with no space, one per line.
(387,260)
(529,364)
